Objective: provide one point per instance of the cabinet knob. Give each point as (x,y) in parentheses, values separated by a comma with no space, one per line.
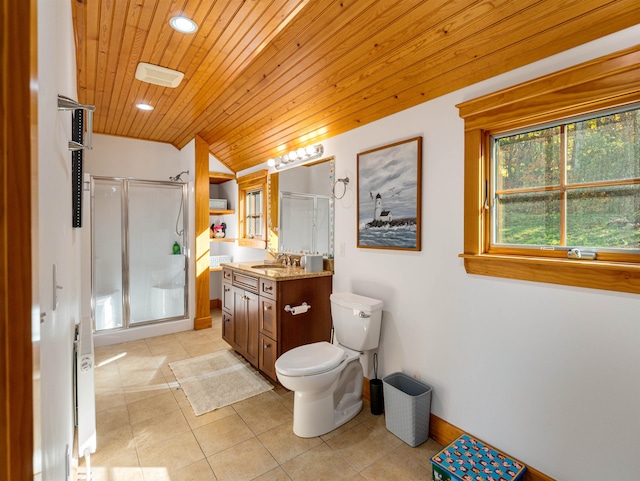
(266,346)
(267,307)
(268,288)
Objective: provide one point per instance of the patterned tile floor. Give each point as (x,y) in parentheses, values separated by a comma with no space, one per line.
(147,430)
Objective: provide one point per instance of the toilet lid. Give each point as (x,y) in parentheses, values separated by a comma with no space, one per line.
(310,359)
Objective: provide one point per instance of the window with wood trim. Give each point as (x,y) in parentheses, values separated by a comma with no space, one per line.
(552,177)
(252,208)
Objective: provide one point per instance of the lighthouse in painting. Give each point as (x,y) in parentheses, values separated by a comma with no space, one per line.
(380,215)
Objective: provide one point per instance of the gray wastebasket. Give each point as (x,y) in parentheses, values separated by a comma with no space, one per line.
(407,407)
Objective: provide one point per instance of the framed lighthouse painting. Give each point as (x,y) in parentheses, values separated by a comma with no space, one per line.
(389,196)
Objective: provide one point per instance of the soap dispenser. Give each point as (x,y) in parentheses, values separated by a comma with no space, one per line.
(176,248)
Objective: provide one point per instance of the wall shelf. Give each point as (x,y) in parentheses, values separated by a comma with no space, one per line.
(220,177)
(221,212)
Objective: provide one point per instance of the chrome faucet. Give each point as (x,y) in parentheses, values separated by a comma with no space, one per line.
(286,259)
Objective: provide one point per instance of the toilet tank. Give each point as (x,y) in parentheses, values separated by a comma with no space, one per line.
(356,320)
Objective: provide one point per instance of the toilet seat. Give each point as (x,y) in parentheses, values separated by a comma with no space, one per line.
(310,359)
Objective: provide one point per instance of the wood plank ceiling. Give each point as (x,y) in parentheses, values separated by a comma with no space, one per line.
(264,75)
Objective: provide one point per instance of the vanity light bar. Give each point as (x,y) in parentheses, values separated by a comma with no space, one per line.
(297,156)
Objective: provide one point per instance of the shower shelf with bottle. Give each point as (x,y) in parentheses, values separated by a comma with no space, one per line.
(216,178)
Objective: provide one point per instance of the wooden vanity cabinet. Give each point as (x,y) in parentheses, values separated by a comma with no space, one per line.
(240,315)
(245,320)
(268,336)
(227,312)
(268,355)
(274,331)
(280,330)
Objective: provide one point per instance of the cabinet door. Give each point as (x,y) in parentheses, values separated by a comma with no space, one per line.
(246,321)
(239,320)
(228,328)
(227,297)
(268,355)
(253,324)
(268,318)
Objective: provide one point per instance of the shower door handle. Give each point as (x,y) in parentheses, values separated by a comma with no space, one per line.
(56,287)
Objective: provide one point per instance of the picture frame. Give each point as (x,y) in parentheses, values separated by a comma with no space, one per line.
(390,196)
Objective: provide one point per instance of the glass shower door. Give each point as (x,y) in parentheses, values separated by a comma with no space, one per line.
(107,254)
(139,268)
(156,274)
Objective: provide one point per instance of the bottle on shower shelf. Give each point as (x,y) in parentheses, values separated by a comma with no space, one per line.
(176,248)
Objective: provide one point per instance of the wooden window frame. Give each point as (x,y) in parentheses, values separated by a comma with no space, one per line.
(248,183)
(611,81)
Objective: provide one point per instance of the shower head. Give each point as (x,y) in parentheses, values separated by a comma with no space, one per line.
(177,177)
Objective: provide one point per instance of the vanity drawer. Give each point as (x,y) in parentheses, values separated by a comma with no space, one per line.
(267,356)
(246,282)
(268,318)
(226,274)
(268,288)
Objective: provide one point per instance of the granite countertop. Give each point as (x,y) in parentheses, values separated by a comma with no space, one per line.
(274,271)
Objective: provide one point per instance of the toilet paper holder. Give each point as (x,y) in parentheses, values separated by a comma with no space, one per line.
(295,310)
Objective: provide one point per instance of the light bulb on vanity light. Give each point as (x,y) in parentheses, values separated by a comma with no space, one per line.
(300,155)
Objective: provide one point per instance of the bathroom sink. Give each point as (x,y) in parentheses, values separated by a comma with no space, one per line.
(269,266)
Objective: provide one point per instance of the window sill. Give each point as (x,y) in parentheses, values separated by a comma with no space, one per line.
(612,276)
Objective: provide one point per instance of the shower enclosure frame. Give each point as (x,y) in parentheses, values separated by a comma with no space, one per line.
(125,295)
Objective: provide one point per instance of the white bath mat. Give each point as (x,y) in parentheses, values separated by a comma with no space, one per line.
(216,380)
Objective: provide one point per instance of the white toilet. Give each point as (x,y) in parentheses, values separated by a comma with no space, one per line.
(327,378)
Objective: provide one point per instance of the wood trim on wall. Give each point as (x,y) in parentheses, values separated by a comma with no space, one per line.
(202,318)
(17,109)
(246,183)
(444,433)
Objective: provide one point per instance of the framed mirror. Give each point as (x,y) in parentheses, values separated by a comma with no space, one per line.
(301,209)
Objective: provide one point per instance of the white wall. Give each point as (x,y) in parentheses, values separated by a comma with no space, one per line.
(549,374)
(57,242)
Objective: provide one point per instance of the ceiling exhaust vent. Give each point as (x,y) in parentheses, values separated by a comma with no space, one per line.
(154,74)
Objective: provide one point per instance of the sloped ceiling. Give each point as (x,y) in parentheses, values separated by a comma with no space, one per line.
(267,76)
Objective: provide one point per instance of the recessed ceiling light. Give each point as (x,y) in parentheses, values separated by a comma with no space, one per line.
(144,106)
(183,24)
